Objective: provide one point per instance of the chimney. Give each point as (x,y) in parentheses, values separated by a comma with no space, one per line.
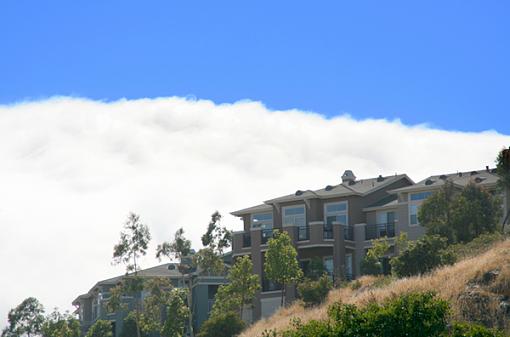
(348,176)
(487,168)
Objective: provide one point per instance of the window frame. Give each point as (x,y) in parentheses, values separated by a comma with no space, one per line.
(262,222)
(285,208)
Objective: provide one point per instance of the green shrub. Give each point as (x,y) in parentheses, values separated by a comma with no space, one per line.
(414,314)
(224,325)
(422,256)
(372,261)
(101,329)
(478,246)
(472,330)
(314,292)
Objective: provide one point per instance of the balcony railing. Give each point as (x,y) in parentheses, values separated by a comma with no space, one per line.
(349,233)
(375,231)
(265,235)
(303,233)
(268,285)
(246,240)
(328,232)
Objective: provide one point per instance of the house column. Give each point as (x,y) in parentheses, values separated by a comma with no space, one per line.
(359,253)
(338,250)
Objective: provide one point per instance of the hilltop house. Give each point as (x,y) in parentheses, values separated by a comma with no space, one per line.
(91,306)
(338,222)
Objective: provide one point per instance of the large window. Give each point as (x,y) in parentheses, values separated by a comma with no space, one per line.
(294,215)
(328,265)
(420,196)
(334,212)
(262,220)
(413,214)
(415,201)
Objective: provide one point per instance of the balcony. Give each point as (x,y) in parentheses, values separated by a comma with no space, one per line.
(376,231)
(265,235)
(246,240)
(303,233)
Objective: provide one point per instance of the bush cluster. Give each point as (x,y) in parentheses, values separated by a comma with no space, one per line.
(314,292)
(413,314)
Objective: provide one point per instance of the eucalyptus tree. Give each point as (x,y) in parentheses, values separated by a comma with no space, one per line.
(26,319)
(133,244)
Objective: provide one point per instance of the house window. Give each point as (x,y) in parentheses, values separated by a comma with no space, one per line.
(328,265)
(413,214)
(334,212)
(420,196)
(415,201)
(294,215)
(262,220)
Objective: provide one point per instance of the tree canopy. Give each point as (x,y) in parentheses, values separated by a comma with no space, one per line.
(281,265)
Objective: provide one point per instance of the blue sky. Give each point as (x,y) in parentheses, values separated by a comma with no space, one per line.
(445,63)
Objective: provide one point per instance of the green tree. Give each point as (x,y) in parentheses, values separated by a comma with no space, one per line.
(133,244)
(225,325)
(215,240)
(503,171)
(178,249)
(217,236)
(315,269)
(435,212)
(26,319)
(281,265)
(240,291)
(165,307)
(474,211)
(61,325)
(422,256)
(460,215)
(372,261)
(100,328)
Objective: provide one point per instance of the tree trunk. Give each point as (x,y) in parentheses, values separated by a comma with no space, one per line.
(138,334)
(507,217)
(283,296)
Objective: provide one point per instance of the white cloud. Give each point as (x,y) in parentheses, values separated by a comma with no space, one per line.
(71,170)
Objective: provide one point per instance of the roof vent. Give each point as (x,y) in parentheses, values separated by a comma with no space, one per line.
(473,173)
(443,177)
(299,192)
(380,178)
(171,267)
(348,176)
(429,182)
(479,179)
(329,188)
(352,182)
(460,174)
(487,169)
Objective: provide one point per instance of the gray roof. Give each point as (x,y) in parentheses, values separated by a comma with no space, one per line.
(163,270)
(254,209)
(388,201)
(484,177)
(359,187)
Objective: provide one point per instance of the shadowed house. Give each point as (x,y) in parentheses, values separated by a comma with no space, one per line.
(338,223)
(91,306)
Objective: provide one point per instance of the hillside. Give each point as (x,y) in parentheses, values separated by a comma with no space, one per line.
(478,289)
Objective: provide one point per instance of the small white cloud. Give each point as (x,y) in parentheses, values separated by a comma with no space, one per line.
(71,170)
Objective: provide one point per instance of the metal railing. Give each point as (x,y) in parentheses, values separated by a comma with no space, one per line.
(328,232)
(303,233)
(375,231)
(349,233)
(246,240)
(265,235)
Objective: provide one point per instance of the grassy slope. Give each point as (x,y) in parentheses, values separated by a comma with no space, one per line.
(448,282)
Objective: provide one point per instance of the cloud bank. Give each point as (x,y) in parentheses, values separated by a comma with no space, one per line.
(71,170)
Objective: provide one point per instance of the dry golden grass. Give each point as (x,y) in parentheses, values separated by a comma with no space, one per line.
(448,283)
